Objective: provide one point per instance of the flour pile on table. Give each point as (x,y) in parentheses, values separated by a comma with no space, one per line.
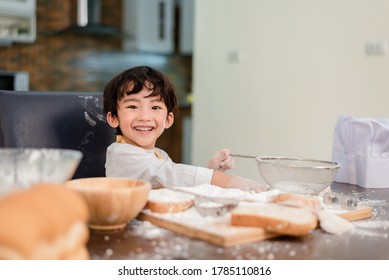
(207,190)
(166,195)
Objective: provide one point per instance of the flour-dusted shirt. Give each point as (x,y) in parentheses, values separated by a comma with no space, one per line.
(126,160)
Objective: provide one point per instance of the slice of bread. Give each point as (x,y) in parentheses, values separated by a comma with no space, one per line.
(296,200)
(275,218)
(168,201)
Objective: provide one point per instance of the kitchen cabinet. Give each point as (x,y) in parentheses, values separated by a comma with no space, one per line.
(186,23)
(149,25)
(158,26)
(17,21)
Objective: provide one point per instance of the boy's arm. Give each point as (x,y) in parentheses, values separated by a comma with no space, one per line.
(226,180)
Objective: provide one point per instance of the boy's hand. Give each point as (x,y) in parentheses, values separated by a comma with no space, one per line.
(222,161)
(248,185)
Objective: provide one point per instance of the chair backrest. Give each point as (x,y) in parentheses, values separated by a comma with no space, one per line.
(68,120)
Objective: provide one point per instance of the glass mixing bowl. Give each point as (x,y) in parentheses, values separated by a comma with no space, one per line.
(22,167)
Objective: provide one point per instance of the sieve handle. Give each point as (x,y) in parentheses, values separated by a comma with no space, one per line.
(242,156)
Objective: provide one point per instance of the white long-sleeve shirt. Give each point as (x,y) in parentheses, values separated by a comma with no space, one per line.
(126,160)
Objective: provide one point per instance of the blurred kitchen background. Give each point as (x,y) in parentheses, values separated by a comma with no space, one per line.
(261,77)
(80,45)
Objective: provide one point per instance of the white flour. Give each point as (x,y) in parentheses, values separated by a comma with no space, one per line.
(166,195)
(212,191)
(375,226)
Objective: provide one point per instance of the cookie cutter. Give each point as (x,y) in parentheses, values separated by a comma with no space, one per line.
(341,200)
(214,207)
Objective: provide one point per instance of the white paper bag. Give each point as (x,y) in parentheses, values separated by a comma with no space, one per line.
(361,146)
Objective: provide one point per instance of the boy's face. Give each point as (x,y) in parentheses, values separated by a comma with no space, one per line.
(141,119)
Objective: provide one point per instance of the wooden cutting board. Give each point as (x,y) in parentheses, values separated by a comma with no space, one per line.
(219,231)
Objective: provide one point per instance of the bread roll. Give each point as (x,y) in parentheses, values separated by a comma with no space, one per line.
(47,221)
(275,218)
(168,201)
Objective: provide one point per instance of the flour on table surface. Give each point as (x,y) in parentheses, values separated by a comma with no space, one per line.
(211,191)
(214,225)
(192,217)
(376,226)
(210,204)
(166,195)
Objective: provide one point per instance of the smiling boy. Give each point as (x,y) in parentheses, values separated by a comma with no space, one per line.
(139,103)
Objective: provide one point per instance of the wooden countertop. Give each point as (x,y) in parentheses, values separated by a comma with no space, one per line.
(143,241)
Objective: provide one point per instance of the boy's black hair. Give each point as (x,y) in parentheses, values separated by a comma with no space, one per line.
(140,76)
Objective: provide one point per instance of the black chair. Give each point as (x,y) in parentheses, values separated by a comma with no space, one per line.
(68,120)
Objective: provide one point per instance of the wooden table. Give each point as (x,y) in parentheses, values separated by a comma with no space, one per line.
(144,241)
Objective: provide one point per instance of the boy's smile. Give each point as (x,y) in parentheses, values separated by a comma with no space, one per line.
(145,129)
(141,118)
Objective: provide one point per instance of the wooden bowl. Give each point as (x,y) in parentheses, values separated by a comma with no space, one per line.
(112,202)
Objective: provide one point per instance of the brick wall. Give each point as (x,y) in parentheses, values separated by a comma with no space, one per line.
(51,59)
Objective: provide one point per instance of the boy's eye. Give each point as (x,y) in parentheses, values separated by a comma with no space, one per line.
(132,107)
(156,107)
